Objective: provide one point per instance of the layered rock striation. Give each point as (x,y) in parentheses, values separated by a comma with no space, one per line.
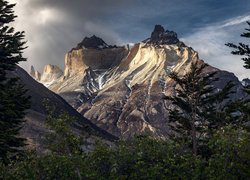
(121,90)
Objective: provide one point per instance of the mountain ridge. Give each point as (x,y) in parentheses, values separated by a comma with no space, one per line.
(35,130)
(122,92)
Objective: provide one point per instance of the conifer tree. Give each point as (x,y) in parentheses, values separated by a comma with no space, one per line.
(197,108)
(242,49)
(242,107)
(13,101)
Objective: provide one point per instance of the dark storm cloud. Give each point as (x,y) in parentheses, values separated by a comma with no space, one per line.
(79,8)
(55,26)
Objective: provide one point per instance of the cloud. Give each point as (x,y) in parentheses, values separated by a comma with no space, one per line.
(53,27)
(210,42)
(235,21)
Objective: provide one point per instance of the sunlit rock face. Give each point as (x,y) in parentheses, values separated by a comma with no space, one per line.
(78,60)
(51,74)
(92,53)
(130,101)
(121,89)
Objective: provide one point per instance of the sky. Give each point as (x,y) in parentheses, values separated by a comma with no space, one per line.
(53,27)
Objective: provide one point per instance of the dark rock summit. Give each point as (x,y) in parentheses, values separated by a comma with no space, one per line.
(158,32)
(160,37)
(92,42)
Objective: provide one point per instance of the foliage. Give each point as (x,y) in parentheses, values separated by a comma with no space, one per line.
(231,154)
(242,107)
(198,108)
(242,49)
(61,139)
(142,158)
(13,101)
(51,166)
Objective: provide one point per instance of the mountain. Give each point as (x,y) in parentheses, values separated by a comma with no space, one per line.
(34,128)
(121,89)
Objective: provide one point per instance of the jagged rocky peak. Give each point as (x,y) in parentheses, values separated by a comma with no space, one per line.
(93,53)
(160,36)
(32,71)
(49,68)
(35,74)
(93,42)
(50,74)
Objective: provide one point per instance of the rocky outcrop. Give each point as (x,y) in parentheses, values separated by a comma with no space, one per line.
(77,61)
(35,74)
(32,71)
(51,74)
(85,71)
(160,36)
(121,89)
(92,42)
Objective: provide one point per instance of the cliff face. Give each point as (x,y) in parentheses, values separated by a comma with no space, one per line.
(78,60)
(121,90)
(130,101)
(51,74)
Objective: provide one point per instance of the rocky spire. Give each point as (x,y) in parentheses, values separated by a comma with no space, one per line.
(161,36)
(32,71)
(50,74)
(158,32)
(35,74)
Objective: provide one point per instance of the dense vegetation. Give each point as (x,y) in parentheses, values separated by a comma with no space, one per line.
(139,158)
(142,158)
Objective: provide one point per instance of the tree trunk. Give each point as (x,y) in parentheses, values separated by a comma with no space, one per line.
(194,141)
(193,130)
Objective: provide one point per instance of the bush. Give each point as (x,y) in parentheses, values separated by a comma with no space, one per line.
(142,158)
(230,154)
